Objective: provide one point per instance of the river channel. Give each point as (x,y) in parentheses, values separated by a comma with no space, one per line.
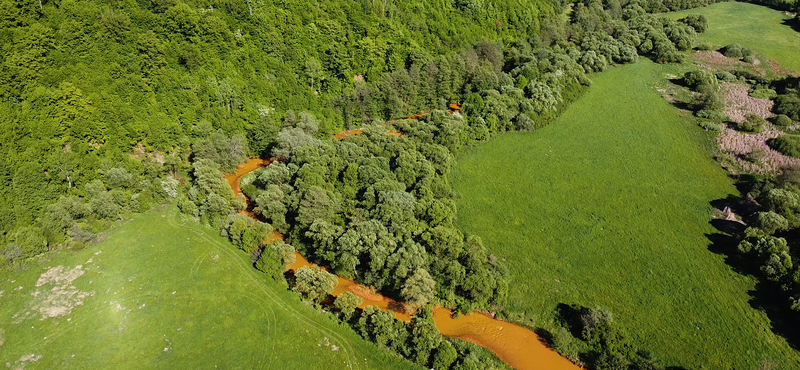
(517,346)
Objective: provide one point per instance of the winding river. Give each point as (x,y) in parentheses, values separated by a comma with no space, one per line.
(517,346)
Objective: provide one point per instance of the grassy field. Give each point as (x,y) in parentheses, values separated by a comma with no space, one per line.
(762,29)
(161,293)
(609,206)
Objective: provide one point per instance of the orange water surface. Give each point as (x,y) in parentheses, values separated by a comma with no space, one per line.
(517,346)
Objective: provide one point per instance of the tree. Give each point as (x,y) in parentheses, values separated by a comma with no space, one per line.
(771,222)
(31,241)
(419,288)
(445,356)
(275,258)
(347,303)
(314,71)
(425,335)
(315,282)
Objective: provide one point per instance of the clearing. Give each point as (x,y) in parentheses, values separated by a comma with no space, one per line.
(610,206)
(767,31)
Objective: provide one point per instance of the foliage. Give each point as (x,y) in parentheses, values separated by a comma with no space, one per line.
(752,123)
(764,94)
(783,120)
(347,303)
(787,145)
(314,282)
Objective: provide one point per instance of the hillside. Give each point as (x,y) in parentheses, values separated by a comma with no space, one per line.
(85,85)
(162,292)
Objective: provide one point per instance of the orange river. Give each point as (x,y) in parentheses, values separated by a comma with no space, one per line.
(519,347)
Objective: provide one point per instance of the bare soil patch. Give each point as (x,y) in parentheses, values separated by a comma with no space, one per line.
(57,296)
(716,59)
(778,70)
(20,364)
(738,103)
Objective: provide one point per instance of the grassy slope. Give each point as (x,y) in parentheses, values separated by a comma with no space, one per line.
(609,206)
(222,312)
(753,26)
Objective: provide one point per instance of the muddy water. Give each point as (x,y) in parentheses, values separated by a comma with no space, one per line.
(369,295)
(519,347)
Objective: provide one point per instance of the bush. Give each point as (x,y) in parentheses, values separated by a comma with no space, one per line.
(698,22)
(787,145)
(709,125)
(726,76)
(788,105)
(752,123)
(712,115)
(732,51)
(699,77)
(764,94)
(706,46)
(749,59)
(771,222)
(756,156)
(783,120)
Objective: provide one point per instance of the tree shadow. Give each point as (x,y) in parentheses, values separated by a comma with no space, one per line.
(680,104)
(770,298)
(793,23)
(767,296)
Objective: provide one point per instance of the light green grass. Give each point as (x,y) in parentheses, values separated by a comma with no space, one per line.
(161,283)
(753,26)
(609,206)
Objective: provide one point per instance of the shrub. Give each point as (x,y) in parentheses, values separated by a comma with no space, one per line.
(787,145)
(756,156)
(752,123)
(698,22)
(706,46)
(726,76)
(771,222)
(709,125)
(764,94)
(699,77)
(783,120)
(749,59)
(788,105)
(732,51)
(712,115)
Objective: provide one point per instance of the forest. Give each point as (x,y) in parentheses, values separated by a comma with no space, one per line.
(117,107)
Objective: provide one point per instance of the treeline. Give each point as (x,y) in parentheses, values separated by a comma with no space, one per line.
(91,85)
(768,248)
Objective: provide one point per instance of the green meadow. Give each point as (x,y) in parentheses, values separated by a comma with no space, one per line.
(163,293)
(610,206)
(760,28)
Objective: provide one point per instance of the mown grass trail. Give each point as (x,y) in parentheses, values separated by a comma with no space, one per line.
(767,31)
(172,294)
(609,206)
